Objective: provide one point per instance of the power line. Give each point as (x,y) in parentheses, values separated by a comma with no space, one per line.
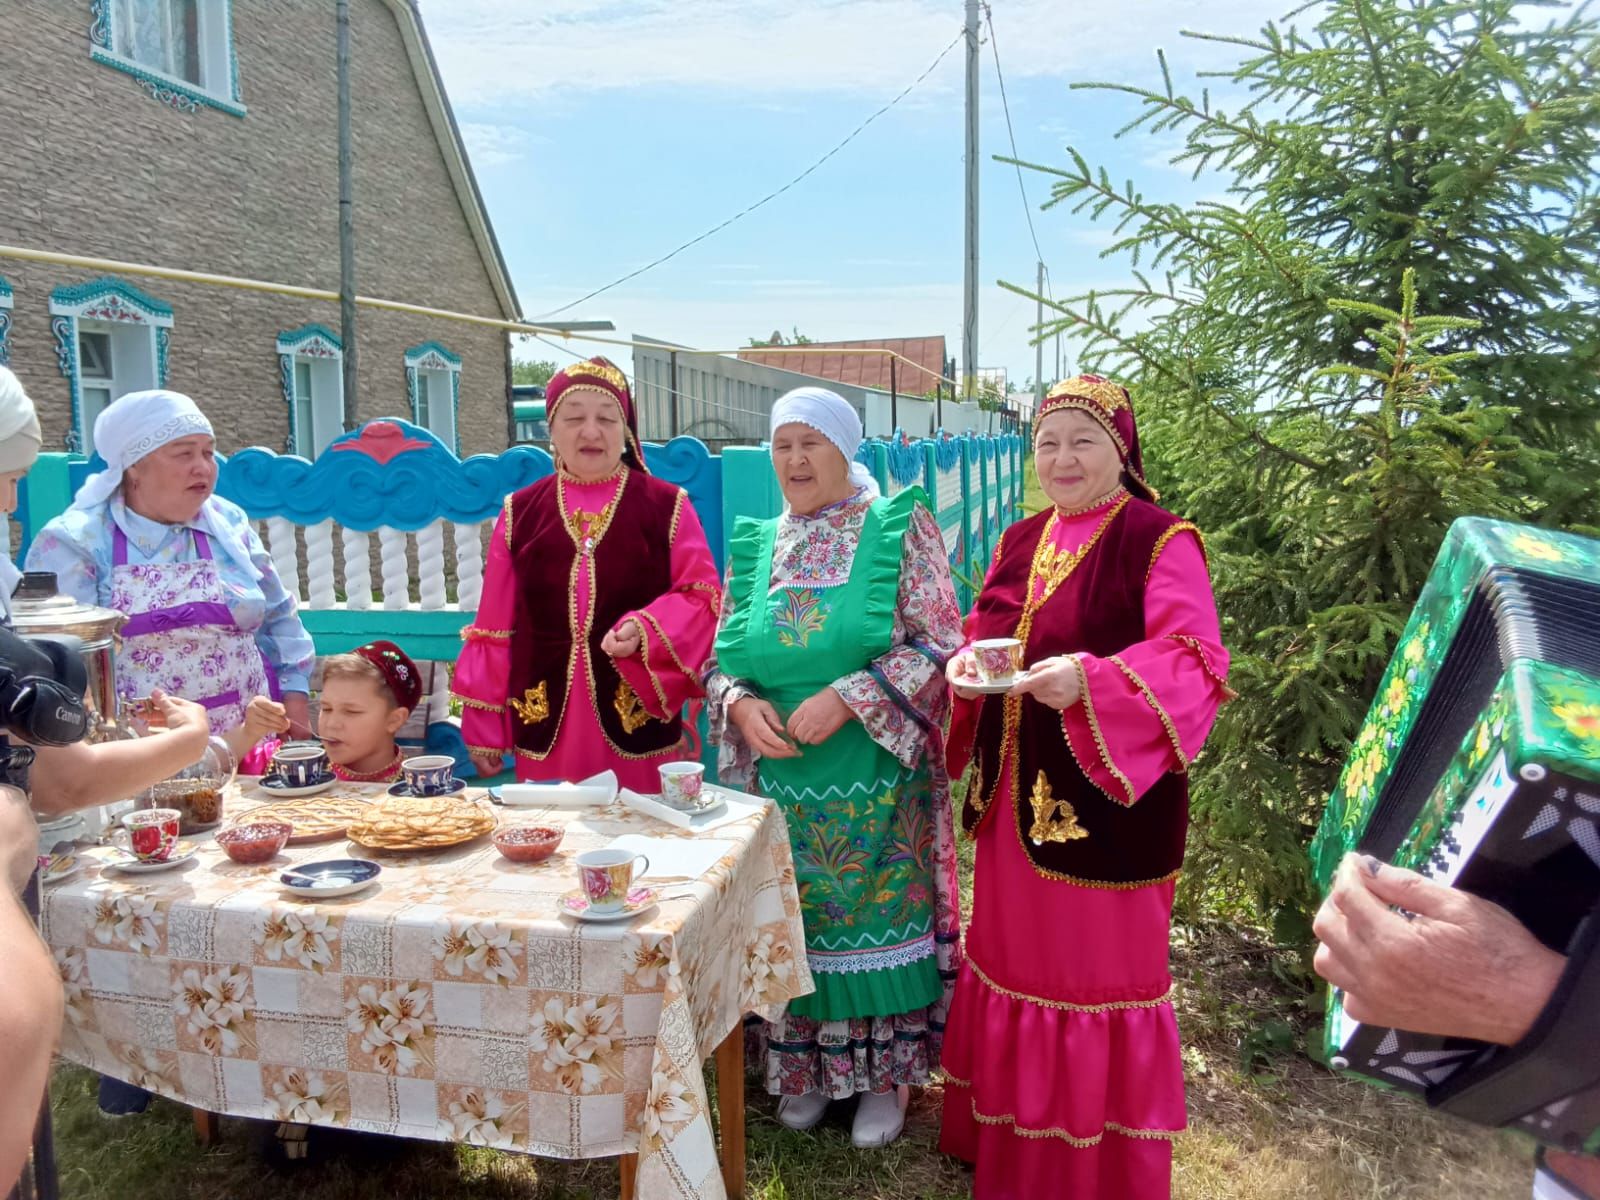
(1027,211)
(770,196)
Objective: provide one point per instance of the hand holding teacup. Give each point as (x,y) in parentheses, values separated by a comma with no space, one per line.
(1052,681)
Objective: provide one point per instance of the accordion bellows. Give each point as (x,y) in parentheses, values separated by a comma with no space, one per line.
(1479,766)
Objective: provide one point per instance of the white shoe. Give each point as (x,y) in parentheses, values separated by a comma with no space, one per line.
(879,1119)
(802,1112)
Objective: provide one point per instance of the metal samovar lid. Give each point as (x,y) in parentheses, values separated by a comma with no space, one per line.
(39,609)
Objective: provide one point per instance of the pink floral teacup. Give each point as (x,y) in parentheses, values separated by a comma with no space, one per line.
(681,783)
(998,658)
(606,876)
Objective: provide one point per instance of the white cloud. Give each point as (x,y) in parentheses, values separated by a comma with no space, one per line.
(495,145)
(504,51)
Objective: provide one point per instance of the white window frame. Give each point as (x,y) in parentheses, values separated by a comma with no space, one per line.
(219,63)
(5,322)
(141,326)
(317,350)
(442,369)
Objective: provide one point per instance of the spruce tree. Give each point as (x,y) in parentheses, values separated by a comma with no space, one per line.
(1390,322)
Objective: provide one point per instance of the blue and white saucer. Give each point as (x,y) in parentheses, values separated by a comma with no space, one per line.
(404,789)
(277,787)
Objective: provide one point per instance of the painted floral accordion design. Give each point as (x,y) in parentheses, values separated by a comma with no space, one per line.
(1479,766)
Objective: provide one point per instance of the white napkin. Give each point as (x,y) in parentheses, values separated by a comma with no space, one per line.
(674,858)
(651,807)
(594,792)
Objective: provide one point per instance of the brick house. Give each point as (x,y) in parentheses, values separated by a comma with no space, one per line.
(202,134)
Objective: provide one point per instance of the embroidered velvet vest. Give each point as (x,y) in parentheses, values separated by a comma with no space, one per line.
(632,566)
(1069,828)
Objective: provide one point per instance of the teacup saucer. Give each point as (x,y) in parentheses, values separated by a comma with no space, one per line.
(404,789)
(995,686)
(56,868)
(333,878)
(711,801)
(640,899)
(275,785)
(181,853)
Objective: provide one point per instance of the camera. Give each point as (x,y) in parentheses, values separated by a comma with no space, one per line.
(42,685)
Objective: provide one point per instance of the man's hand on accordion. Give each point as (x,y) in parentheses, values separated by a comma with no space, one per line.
(1461,966)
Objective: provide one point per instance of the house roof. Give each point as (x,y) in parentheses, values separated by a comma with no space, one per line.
(426,69)
(823,360)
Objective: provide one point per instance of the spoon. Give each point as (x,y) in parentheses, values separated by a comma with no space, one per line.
(315,880)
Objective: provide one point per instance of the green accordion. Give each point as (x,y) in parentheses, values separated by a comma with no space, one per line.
(1479,766)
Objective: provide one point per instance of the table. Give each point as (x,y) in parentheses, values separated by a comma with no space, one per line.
(451,1001)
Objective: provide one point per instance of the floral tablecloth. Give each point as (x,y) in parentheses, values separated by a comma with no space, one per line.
(451,1001)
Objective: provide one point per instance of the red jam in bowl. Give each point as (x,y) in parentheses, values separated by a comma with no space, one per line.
(527,843)
(257,842)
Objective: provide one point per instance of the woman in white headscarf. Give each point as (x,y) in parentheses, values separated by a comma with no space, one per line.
(827,689)
(63,778)
(208,617)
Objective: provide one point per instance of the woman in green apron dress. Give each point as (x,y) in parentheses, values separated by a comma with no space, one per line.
(826,689)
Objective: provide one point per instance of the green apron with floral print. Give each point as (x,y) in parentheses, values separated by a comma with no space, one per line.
(860,823)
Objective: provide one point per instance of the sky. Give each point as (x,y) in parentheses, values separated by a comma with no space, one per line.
(604,133)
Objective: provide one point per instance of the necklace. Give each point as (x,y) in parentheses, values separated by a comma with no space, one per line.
(1078,511)
(384,775)
(1051,567)
(587,528)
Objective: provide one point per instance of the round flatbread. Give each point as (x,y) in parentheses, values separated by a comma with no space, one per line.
(421,823)
(314,818)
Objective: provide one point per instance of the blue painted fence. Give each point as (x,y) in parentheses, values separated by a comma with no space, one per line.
(393,475)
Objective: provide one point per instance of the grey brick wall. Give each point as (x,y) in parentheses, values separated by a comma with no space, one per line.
(94,166)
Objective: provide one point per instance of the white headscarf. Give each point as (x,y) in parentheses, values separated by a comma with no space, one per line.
(132,427)
(19,425)
(830,415)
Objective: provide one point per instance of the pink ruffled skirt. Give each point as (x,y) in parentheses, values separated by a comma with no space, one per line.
(1066,1077)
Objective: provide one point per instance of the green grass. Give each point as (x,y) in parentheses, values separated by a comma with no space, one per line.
(1283,1128)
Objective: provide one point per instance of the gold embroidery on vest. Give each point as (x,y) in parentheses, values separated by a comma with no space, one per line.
(534,705)
(1054,819)
(975,794)
(629,710)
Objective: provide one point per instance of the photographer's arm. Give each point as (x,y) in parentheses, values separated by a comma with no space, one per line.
(67,778)
(30,993)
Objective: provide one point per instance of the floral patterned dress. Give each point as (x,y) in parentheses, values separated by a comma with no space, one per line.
(857,597)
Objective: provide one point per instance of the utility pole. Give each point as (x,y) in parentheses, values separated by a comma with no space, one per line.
(969,315)
(1058,356)
(1038,345)
(347,224)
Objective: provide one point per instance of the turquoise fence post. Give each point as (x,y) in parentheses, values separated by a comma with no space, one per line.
(749,488)
(44,492)
(971,468)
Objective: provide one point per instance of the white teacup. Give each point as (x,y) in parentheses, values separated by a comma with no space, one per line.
(681,785)
(607,876)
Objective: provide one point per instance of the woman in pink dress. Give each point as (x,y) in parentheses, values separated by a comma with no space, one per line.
(600,601)
(1062,1049)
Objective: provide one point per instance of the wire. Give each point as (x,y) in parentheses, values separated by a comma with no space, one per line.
(770,196)
(1027,211)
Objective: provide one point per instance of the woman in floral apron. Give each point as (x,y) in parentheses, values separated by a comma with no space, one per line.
(827,688)
(208,618)
(63,778)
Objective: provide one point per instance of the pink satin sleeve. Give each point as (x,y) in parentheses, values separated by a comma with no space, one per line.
(679,626)
(1147,710)
(484,668)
